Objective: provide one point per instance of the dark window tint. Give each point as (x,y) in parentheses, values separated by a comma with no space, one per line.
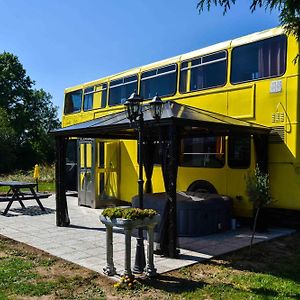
(208,76)
(73,102)
(206,72)
(121,89)
(207,152)
(88,98)
(184,64)
(104,95)
(101,154)
(183,81)
(214,57)
(161,81)
(257,60)
(239,151)
(102,184)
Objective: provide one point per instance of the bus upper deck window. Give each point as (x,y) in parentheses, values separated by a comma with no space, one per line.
(121,89)
(161,81)
(73,102)
(103,95)
(257,60)
(206,72)
(88,98)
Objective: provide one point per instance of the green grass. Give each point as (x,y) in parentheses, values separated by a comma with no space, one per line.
(47,186)
(46,180)
(272,271)
(245,285)
(16,278)
(30,274)
(43,187)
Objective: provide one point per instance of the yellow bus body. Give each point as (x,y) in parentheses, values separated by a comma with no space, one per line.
(251,101)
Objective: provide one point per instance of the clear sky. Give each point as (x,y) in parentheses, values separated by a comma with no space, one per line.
(62,43)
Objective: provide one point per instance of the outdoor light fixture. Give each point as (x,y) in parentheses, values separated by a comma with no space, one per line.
(133,106)
(156,105)
(135,114)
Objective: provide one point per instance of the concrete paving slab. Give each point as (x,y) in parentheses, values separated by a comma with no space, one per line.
(84,241)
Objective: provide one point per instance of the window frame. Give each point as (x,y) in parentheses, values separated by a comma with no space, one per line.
(88,93)
(76,111)
(258,41)
(100,85)
(94,92)
(161,74)
(190,67)
(120,84)
(189,165)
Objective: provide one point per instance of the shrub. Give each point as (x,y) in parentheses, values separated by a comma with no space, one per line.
(128,213)
(258,188)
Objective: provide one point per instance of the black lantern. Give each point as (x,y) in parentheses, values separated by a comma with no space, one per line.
(156,105)
(133,106)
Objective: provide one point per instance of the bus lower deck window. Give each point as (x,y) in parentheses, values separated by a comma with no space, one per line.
(205,152)
(239,152)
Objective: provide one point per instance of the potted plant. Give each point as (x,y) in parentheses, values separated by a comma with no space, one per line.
(129,219)
(121,217)
(259,193)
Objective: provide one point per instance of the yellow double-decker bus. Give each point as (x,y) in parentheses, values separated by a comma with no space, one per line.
(253,78)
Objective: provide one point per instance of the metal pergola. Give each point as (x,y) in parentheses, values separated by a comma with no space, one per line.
(177,121)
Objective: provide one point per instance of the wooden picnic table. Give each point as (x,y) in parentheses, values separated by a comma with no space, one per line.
(16,193)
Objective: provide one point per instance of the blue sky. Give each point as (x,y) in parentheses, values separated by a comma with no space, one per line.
(62,43)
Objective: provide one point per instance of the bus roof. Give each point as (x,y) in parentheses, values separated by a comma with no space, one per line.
(207,50)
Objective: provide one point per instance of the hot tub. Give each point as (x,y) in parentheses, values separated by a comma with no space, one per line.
(197,213)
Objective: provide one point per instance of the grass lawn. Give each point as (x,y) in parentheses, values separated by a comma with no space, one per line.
(43,187)
(272,272)
(46,180)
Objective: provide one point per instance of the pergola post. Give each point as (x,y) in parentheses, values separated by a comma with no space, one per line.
(62,216)
(170,168)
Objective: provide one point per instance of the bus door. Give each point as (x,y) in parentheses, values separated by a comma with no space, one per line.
(86,190)
(108,170)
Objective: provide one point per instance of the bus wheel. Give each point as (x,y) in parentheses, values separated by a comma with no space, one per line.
(202,186)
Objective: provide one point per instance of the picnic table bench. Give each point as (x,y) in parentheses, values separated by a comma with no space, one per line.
(16,193)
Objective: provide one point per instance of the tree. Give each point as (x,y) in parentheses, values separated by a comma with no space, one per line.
(30,113)
(7,145)
(289,11)
(259,193)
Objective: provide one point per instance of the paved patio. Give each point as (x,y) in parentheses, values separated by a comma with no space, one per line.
(84,241)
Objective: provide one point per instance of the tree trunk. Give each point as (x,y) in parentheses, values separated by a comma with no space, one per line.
(254,228)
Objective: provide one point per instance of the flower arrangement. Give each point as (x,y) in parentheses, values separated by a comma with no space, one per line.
(126,282)
(128,213)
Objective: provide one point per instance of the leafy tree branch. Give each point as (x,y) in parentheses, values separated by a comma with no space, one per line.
(289,11)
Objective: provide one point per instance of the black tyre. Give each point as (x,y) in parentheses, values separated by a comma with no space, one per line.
(202,186)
